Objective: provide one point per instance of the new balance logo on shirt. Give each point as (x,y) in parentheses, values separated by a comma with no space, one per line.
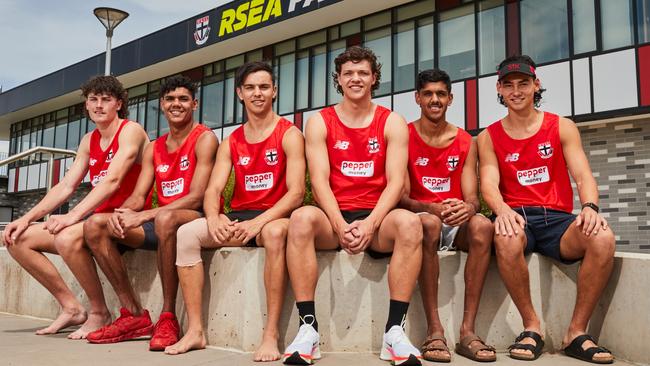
(342,145)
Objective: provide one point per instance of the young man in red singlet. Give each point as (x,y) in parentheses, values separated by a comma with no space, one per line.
(443,189)
(523,168)
(112,153)
(267,154)
(357,153)
(179,163)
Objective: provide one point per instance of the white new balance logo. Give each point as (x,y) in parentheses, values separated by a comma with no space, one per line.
(342,145)
(162,168)
(422,161)
(512,157)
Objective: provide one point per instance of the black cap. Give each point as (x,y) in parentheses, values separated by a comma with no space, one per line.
(516,67)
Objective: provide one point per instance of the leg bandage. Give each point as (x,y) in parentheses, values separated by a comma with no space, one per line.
(191,237)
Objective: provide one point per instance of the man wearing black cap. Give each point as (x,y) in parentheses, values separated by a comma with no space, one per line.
(524,180)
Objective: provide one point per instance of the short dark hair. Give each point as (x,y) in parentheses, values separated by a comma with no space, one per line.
(175,82)
(432,76)
(357,54)
(108,85)
(251,67)
(522,59)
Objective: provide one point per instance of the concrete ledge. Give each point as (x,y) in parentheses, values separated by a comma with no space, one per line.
(353,294)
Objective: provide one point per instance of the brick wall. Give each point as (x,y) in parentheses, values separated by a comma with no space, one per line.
(619,154)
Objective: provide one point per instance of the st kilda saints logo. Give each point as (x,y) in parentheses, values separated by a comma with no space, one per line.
(373,145)
(185,163)
(271,156)
(452,162)
(545,150)
(109,157)
(202,30)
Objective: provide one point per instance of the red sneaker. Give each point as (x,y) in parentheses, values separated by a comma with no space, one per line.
(127,326)
(165,333)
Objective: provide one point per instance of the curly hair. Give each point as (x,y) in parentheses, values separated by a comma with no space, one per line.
(108,85)
(522,59)
(356,54)
(177,81)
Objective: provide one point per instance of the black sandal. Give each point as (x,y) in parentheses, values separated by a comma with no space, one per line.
(535,349)
(575,350)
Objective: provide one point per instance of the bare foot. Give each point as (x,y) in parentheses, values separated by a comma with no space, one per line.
(67,318)
(94,322)
(268,350)
(191,340)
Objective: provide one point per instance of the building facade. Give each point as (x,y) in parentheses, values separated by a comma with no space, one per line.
(593,56)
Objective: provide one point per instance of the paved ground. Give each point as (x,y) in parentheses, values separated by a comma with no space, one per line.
(20,347)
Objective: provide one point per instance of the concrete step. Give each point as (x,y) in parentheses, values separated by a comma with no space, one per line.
(20,347)
(352,300)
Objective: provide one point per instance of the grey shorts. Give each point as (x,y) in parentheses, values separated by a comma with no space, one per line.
(150,239)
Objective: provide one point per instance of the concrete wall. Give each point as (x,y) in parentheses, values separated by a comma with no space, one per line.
(352,300)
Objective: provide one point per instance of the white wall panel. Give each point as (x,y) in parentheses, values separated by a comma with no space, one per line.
(11,180)
(384,102)
(614,77)
(289,117)
(228,130)
(87,178)
(33,176)
(581,87)
(556,79)
(217,132)
(43,180)
(306,116)
(456,111)
(489,109)
(405,105)
(22,179)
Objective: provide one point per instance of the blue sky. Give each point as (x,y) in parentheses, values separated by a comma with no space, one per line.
(39,37)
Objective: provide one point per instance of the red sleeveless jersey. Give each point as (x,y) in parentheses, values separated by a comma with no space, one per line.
(533,170)
(174,170)
(260,169)
(357,158)
(98,167)
(435,173)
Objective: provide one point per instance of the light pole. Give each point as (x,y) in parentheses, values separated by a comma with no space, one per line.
(110,18)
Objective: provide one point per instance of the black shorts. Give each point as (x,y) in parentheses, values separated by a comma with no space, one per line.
(245,215)
(544,230)
(150,239)
(356,215)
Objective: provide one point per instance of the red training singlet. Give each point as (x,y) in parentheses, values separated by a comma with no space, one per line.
(435,173)
(357,159)
(533,170)
(174,170)
(260,169)
(99,162)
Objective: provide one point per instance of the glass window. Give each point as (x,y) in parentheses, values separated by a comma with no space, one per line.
(544,30)
(404,66)
(60,135)
(25,145)
(286,86)
(414,10)
(312,39)
(350,28)
(379,41)
(229,100)
(255,55)
(643,20)
(196,115)
(616,23)
(492,35)
(285,47)
(456,49)
(163,125)
(212,103)
(319,77)
(425,44)
(302,80)
(234,62)
(153,106)
(133,110)
(336,48)
(73,135)
(376,21)
(584,26)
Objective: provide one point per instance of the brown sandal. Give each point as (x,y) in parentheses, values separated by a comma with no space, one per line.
(469,347)
(428,346)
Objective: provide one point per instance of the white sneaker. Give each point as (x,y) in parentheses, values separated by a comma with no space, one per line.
(398,349)
(305,347)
